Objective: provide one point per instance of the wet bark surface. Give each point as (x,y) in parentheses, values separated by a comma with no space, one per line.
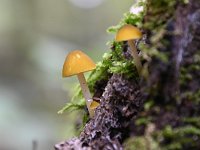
(122,99)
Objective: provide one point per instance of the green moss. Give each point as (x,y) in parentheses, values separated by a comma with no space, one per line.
(142,121)
(135,144)
(192,120)
(113,62)
(167,132)
(178,138)
(187,74)
(173,146)
(148,104)
(187,71)
(141,143)
(159,14)
(71,106)
(191,96)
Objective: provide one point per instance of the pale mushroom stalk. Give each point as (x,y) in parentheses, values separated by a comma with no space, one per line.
(85,91)
(135,56)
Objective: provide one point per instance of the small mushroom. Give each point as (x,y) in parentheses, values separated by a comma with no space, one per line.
(130,33)
(93,106)
(76,63)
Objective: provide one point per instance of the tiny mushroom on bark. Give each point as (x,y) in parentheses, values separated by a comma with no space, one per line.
(76,63)
(93,106)
(130,33)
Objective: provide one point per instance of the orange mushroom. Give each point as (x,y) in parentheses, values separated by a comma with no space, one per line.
(93,106)
(130,33)
(76,63)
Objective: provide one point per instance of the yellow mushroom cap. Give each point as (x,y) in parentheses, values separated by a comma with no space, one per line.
(94,105)
(128,32)
(77,62)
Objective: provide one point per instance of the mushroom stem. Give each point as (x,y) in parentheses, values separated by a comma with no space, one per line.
(86,92)
(135,56)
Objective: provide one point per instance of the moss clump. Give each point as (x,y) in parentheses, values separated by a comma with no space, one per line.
(178,138)
(187,71)
(157,19)
(113,62)
(141,143)
(193,96)
(135,143)
(166,139)
(158,13)
(195,121)
(142,121)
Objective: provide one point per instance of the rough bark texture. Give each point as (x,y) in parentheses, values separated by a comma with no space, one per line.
(120,102)
(122,99)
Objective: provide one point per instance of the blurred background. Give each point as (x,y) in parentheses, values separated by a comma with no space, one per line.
(35,37)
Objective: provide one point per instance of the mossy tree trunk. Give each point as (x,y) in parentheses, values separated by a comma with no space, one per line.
(164,111)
